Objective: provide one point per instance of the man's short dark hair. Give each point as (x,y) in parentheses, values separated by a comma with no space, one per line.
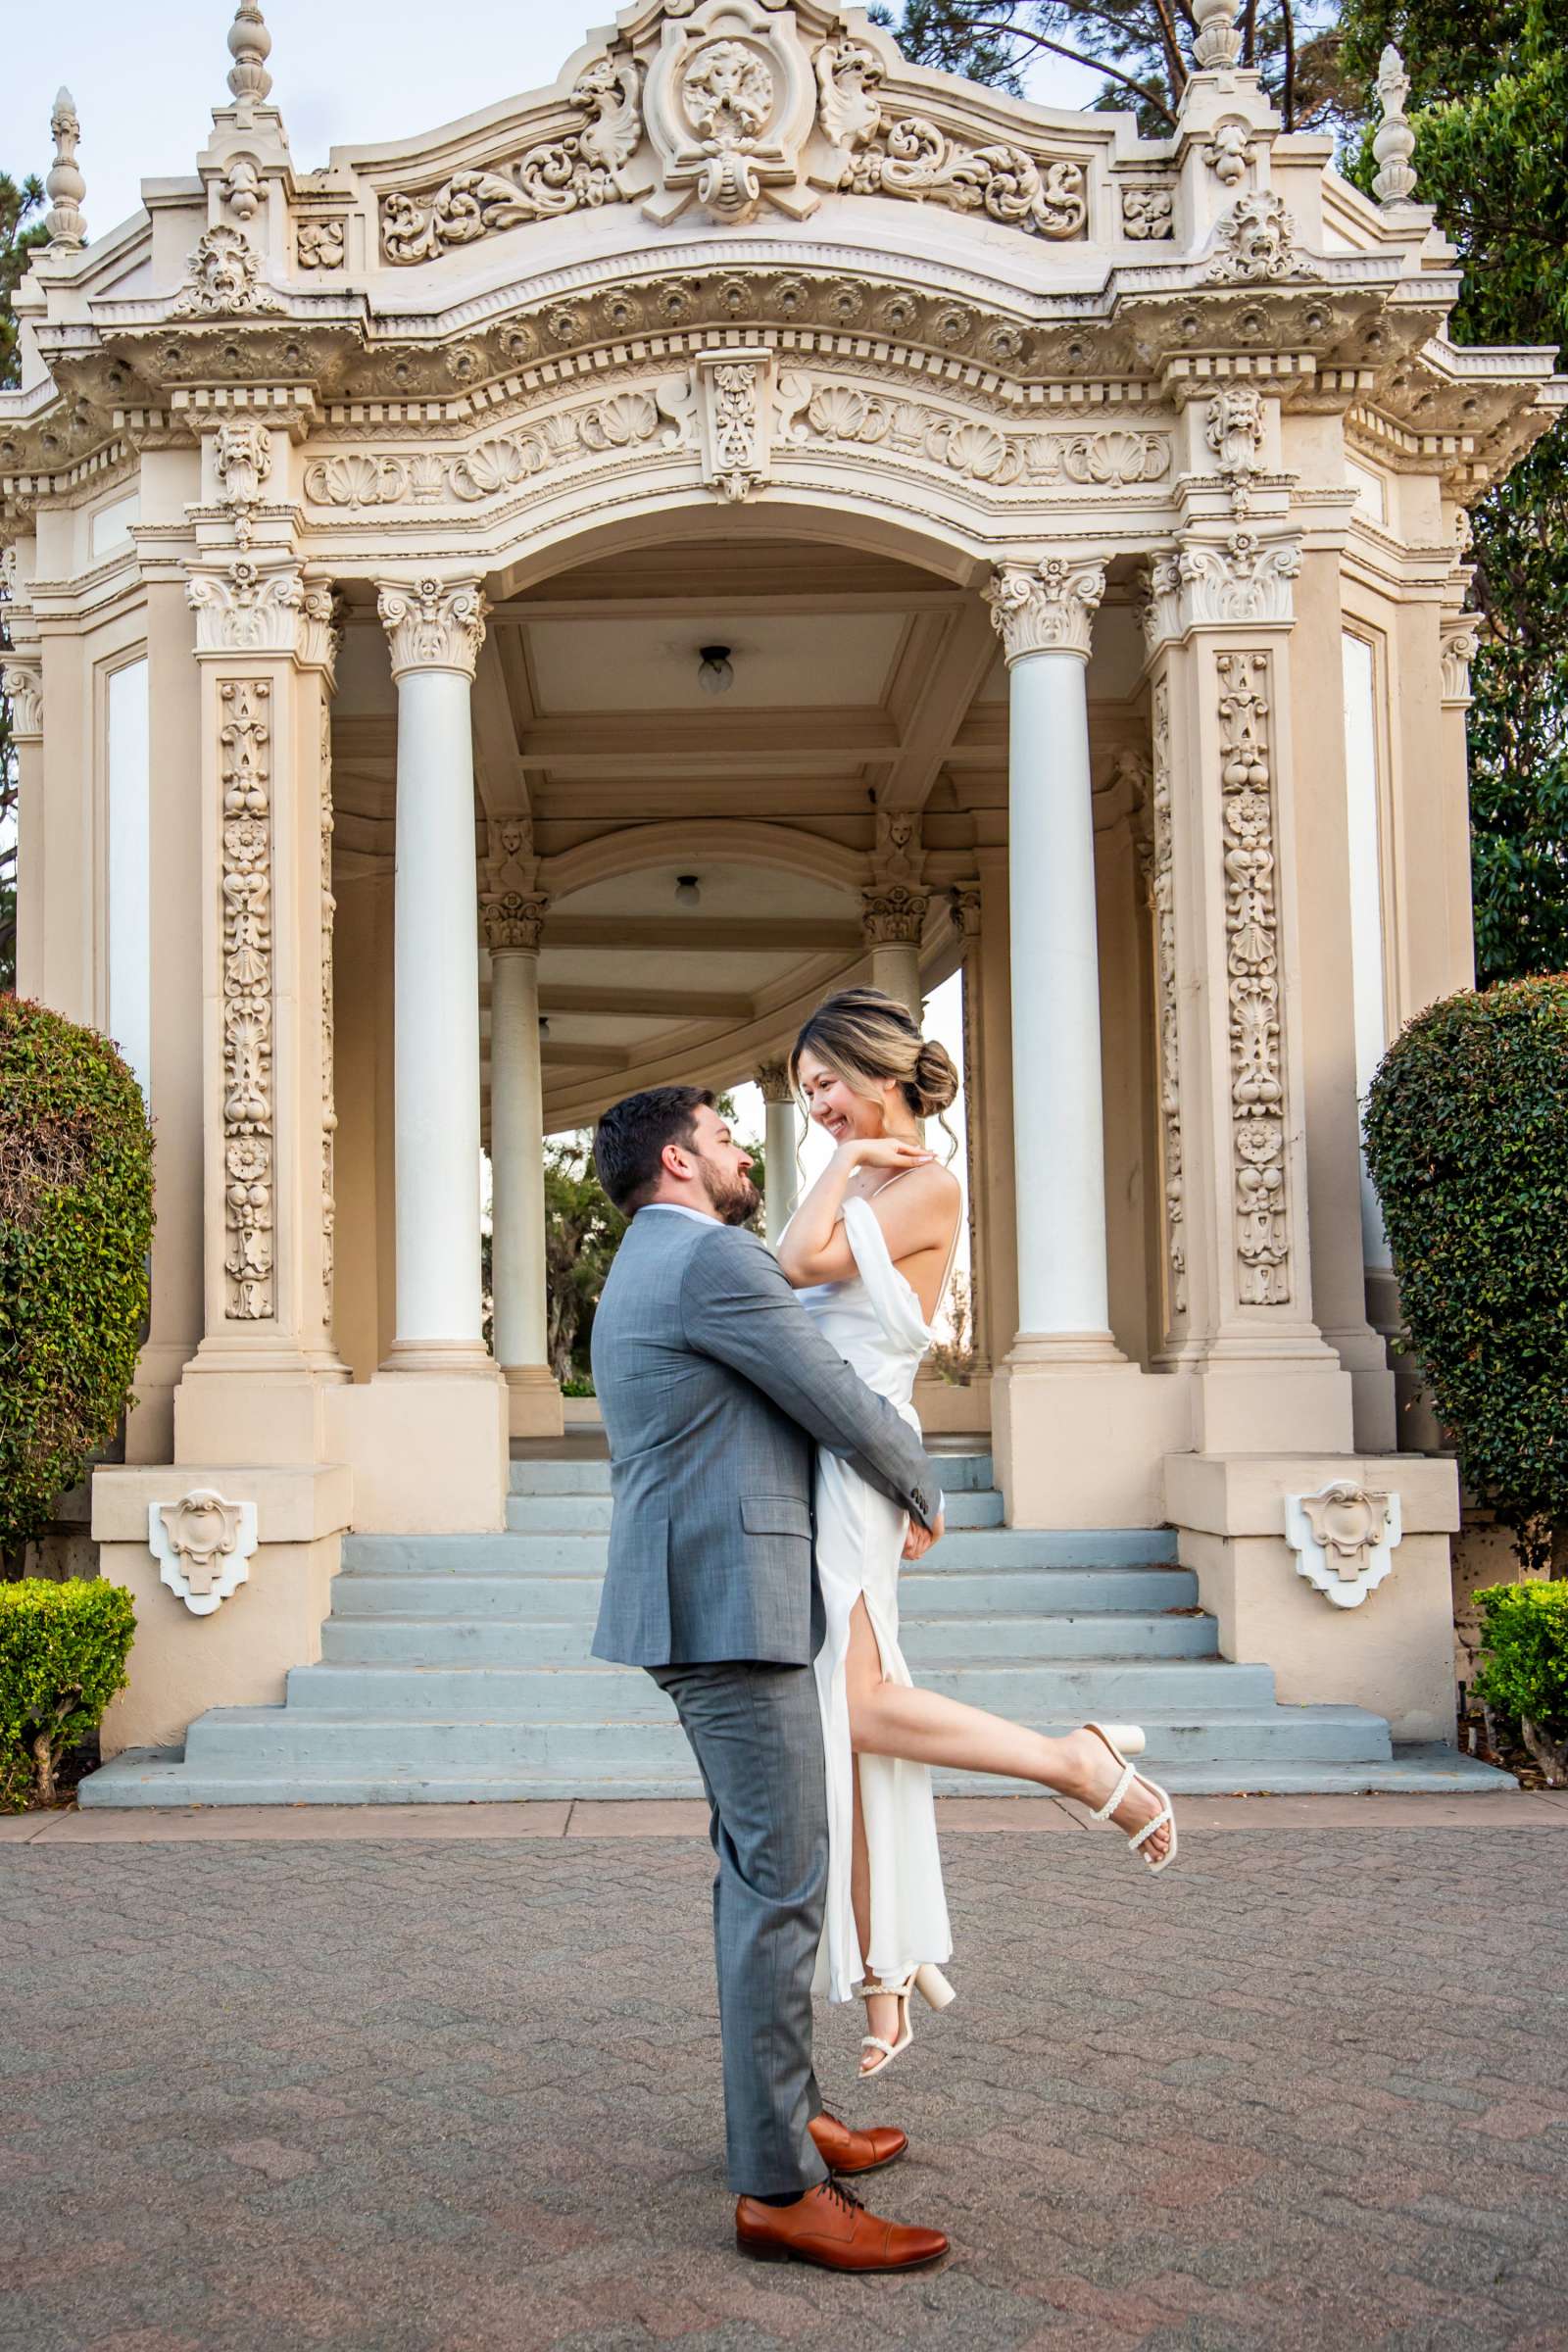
(630,1138)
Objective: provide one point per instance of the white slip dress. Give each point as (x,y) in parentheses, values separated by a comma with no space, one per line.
(875,1323)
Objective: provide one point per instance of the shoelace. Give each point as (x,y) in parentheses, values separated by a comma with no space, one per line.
(845,2197)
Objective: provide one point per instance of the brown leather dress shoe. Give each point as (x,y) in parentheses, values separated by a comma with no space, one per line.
(832,2228)
(845,2151)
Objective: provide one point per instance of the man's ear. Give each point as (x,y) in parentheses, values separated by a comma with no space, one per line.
(678,1161)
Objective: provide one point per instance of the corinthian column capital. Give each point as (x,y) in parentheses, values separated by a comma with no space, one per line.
(1045,608)
(23,682)
(433,624)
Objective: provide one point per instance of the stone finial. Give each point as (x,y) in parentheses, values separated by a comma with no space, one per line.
(1219,45)
(1394,143)
(249,45)
(64,220)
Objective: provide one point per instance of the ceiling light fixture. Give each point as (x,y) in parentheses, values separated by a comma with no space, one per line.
(687,893)
(714,673)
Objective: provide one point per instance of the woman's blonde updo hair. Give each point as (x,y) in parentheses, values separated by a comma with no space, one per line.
(866,1038)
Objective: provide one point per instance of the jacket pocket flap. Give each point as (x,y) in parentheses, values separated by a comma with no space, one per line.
(775,1515)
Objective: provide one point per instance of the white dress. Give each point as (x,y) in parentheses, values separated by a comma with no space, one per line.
(875,1323)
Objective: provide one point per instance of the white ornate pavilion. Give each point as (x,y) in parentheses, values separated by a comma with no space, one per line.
(1077,524)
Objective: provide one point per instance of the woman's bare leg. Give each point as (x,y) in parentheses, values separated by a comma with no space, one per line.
(881,2015)
(887,1719)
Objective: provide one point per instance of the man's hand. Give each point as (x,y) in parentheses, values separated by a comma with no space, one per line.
(919,1539)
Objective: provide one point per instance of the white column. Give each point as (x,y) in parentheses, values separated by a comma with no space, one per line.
(781,1146)
(1044,616)
(436,628)
(516,1155)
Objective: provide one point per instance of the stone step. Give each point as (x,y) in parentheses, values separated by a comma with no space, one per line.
(524,1594)
(148,1779)
(585,1553)
(1124,1689)
(589,1514)
(589,1474)
(295,1745)
(408,1641)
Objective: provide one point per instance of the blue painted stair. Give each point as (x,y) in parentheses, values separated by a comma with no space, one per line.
(456,1667)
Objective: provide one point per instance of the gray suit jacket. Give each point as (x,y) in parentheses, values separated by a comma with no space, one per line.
(716,1388)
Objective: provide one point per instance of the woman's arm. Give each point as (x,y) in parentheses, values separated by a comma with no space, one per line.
(814,1249)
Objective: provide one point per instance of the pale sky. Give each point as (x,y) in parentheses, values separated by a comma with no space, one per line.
(350,71)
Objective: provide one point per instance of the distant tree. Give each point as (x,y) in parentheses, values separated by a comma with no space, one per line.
(19,231)
(1489,101)
(1143,48)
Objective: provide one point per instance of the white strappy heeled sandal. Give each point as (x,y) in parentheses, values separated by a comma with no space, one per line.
(934,1989)
(1125,1739)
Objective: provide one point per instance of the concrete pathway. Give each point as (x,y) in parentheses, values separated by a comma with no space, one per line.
(446,2080)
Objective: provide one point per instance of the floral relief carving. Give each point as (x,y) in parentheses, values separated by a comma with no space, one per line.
(1162,907)
(909,156)
(203,1545)
(1252,960)
(732,390)
(892,913)
(1147,212)
(810,410)
(226,271)
(1047,608)
(1254,242)
(1248,579)
(245,767)
(774,1081)
(562,176)
(245,609)
(433,624)
(318,244)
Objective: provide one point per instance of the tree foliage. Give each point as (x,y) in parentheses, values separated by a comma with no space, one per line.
(1468,1140)
(76,1223)
(1141,48)
(1489,101)
(63,1650)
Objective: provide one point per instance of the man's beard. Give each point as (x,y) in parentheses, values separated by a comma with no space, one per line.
(732,1200)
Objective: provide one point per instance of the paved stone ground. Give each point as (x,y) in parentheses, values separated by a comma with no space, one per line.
(395,2095)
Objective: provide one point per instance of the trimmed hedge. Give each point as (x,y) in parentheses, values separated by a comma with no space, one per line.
(76,1223)
(1468,1140)
(63,1650)
(1524,1664)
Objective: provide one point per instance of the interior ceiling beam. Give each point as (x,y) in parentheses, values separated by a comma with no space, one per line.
(662,742)
(754,604)
(939,690)
(697,934)
(563,1055)
(645,1004)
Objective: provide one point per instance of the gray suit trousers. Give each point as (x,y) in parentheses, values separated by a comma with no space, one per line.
(757,1734)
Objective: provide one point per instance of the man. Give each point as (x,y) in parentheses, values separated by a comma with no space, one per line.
(715,1389)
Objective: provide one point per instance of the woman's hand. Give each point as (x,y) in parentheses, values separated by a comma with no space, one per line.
(884,1152)
(919,1539)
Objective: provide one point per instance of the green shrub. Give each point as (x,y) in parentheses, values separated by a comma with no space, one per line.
(1524,1663)
(63,1650)
(1468,1140)
(75,1222)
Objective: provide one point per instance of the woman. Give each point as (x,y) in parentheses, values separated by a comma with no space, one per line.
(870,1249)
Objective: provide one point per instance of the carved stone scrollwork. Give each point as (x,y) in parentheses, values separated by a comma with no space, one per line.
(1344,1539)
(245,769)
(971,447)
(1248,579)
(433,624)
(581,170)
(1461,639)
(23,682)
(1252,963)
(1147,212)
(1255,243)
(225,279)
(735,409)
(892,913)
(774,1081)
(511,905)
(1160,610)
(203,1545)
(1162,909)
(244,609)
(1047,608)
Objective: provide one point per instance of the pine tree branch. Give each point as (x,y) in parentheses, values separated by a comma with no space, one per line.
(1075,57)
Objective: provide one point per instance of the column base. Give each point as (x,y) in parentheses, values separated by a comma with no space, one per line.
(430,1453)
(250,1411)
(534,1404)
(1393,1653)
(1273,1404)
(239,1655)
(453,1358)
(1364,1353)
(1080,1438)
